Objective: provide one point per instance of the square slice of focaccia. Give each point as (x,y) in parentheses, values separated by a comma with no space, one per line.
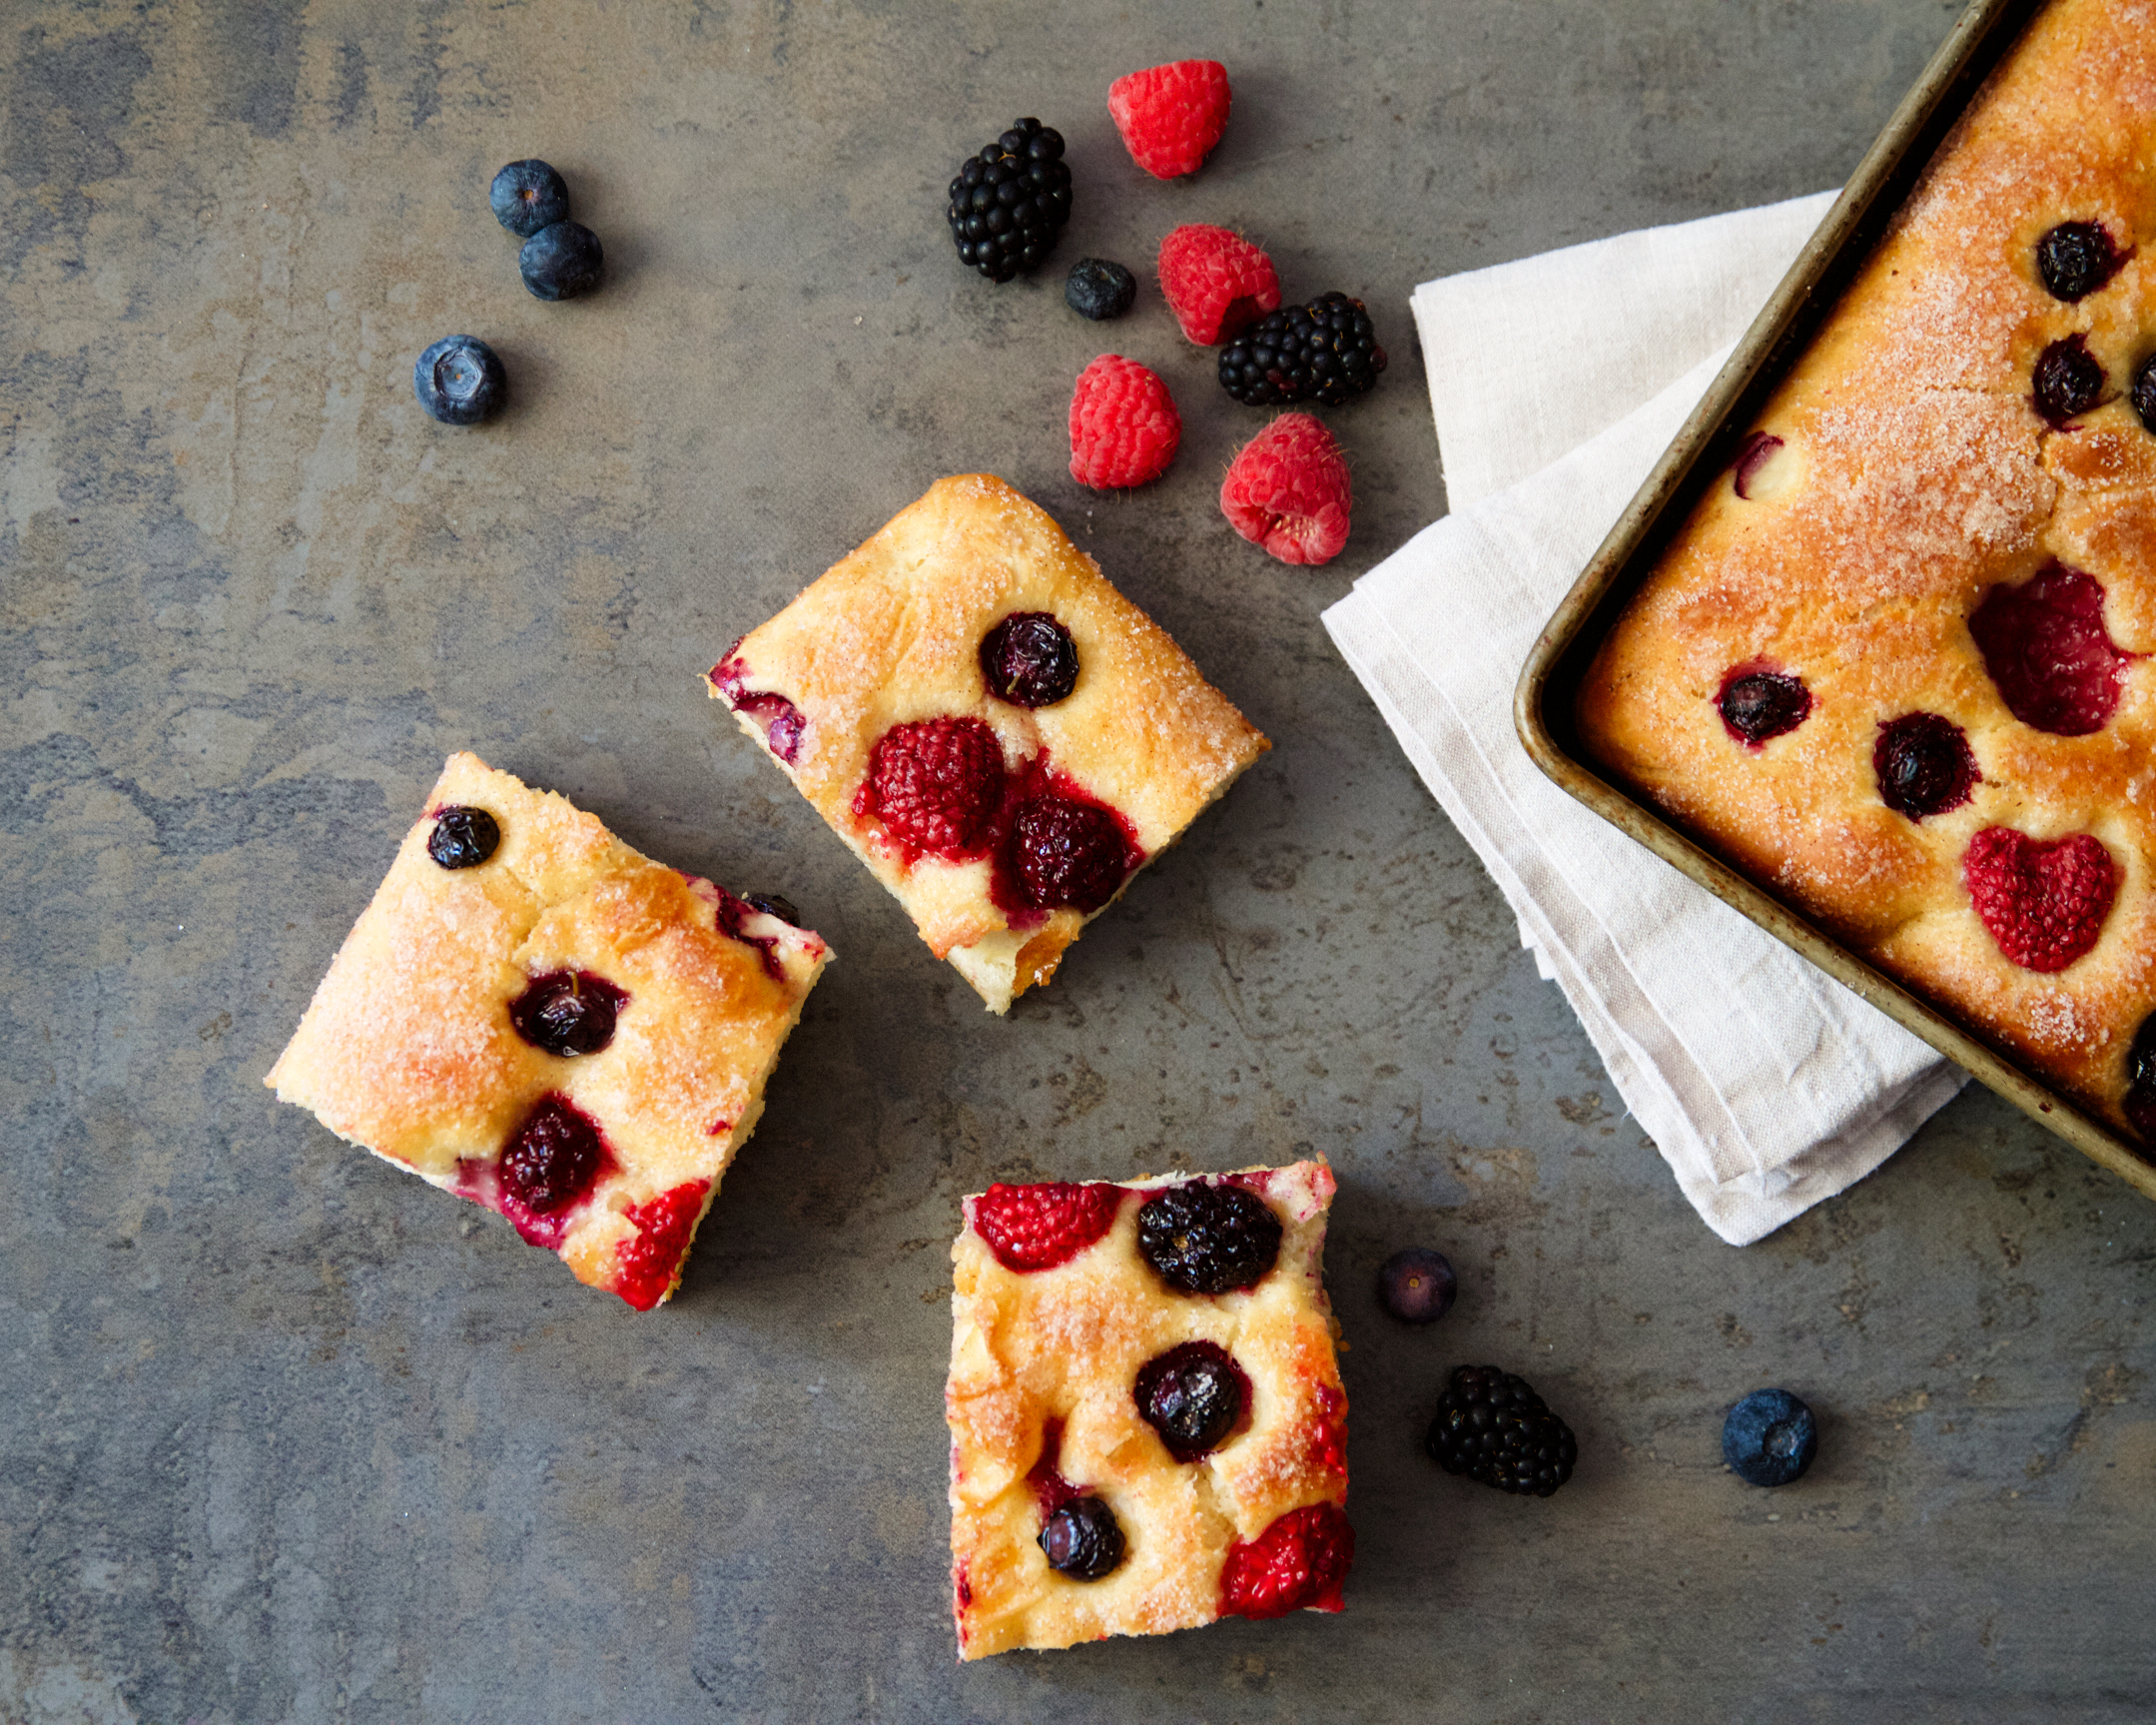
(1147,1427)
(997,732)
(536,1017)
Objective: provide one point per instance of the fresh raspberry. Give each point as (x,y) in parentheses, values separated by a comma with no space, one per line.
(1170,117)
(1039,1227)
(936,784)
(1298,1563)
(2043,901)
(649,1262)
(2046,645)
(1287,489)
(1215,282)
(1124,424)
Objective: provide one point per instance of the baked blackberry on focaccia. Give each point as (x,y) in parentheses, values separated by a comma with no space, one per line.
(1894,663)
(1000,735)
(534,1017)
(1147,1427)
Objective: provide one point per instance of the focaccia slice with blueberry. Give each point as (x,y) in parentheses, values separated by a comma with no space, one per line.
(536,1017)
(1147,1427)
(997,732)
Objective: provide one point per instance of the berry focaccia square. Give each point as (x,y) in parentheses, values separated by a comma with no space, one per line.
(1000,735)
(533,1016)
(1147,1427)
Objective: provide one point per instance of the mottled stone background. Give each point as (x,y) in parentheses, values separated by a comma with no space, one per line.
(290,1436)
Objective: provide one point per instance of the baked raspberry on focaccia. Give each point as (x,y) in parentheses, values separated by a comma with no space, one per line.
(1147,1427)
(997,732)
(533,1016)
(1895,662)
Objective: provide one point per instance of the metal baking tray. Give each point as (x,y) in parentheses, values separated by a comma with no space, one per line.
(1542,705)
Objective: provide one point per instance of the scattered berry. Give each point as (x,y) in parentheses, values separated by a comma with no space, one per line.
(772,905)
(1769,1439)
(1757,705)
(2043,902)
(554,1157)
(1296,1564)
(2046,647)
(1924,764)
(1416,1286)
(1029,660)
(568,1012)
(1287,489)
(2069,381)
(528,196)
(562,261)
(1099,290)
(648,1263)
(2075,258)
(1068,852)
(1753,453)
(1031,1227)
(1194,1395)
(1124,424)
(1491,1426)
(1325,352)
(1215,282)
(1203,1238)
(459,381)
(1008,202)
(464,837)
(1172,116)
(936,784)
(1082,1539)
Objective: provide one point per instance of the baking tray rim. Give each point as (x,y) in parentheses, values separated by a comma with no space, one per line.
(1549,680)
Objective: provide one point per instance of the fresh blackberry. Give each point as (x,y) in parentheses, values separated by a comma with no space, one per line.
(1491,1426)
(1008,202)
(1206,1238)
(1325,352)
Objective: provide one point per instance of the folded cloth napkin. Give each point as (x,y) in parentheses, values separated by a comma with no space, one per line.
(1557,383)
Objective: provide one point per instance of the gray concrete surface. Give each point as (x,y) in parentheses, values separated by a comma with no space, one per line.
(290,1436)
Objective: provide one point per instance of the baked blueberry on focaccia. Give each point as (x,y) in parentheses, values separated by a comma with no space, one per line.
(1894,664)
(1147,1427)
(534,1017)
(1000,735)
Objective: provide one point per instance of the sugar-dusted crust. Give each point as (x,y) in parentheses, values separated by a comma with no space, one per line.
(1916,475)
(1066,1344)
(409,1049)
(893,632)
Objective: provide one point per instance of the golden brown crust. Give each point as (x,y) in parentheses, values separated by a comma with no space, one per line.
(1066,1345)
(407,1047)
(1915,475)
(891,633)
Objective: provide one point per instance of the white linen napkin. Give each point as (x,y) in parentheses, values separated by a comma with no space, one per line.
(1557,383)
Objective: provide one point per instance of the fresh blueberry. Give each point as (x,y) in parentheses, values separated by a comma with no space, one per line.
(1417,1286)
(1769,1437)
(464,837)
(2069,381)
(1082,1539)
(459,381)
(562,261)
(1098,290)
(529,196)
